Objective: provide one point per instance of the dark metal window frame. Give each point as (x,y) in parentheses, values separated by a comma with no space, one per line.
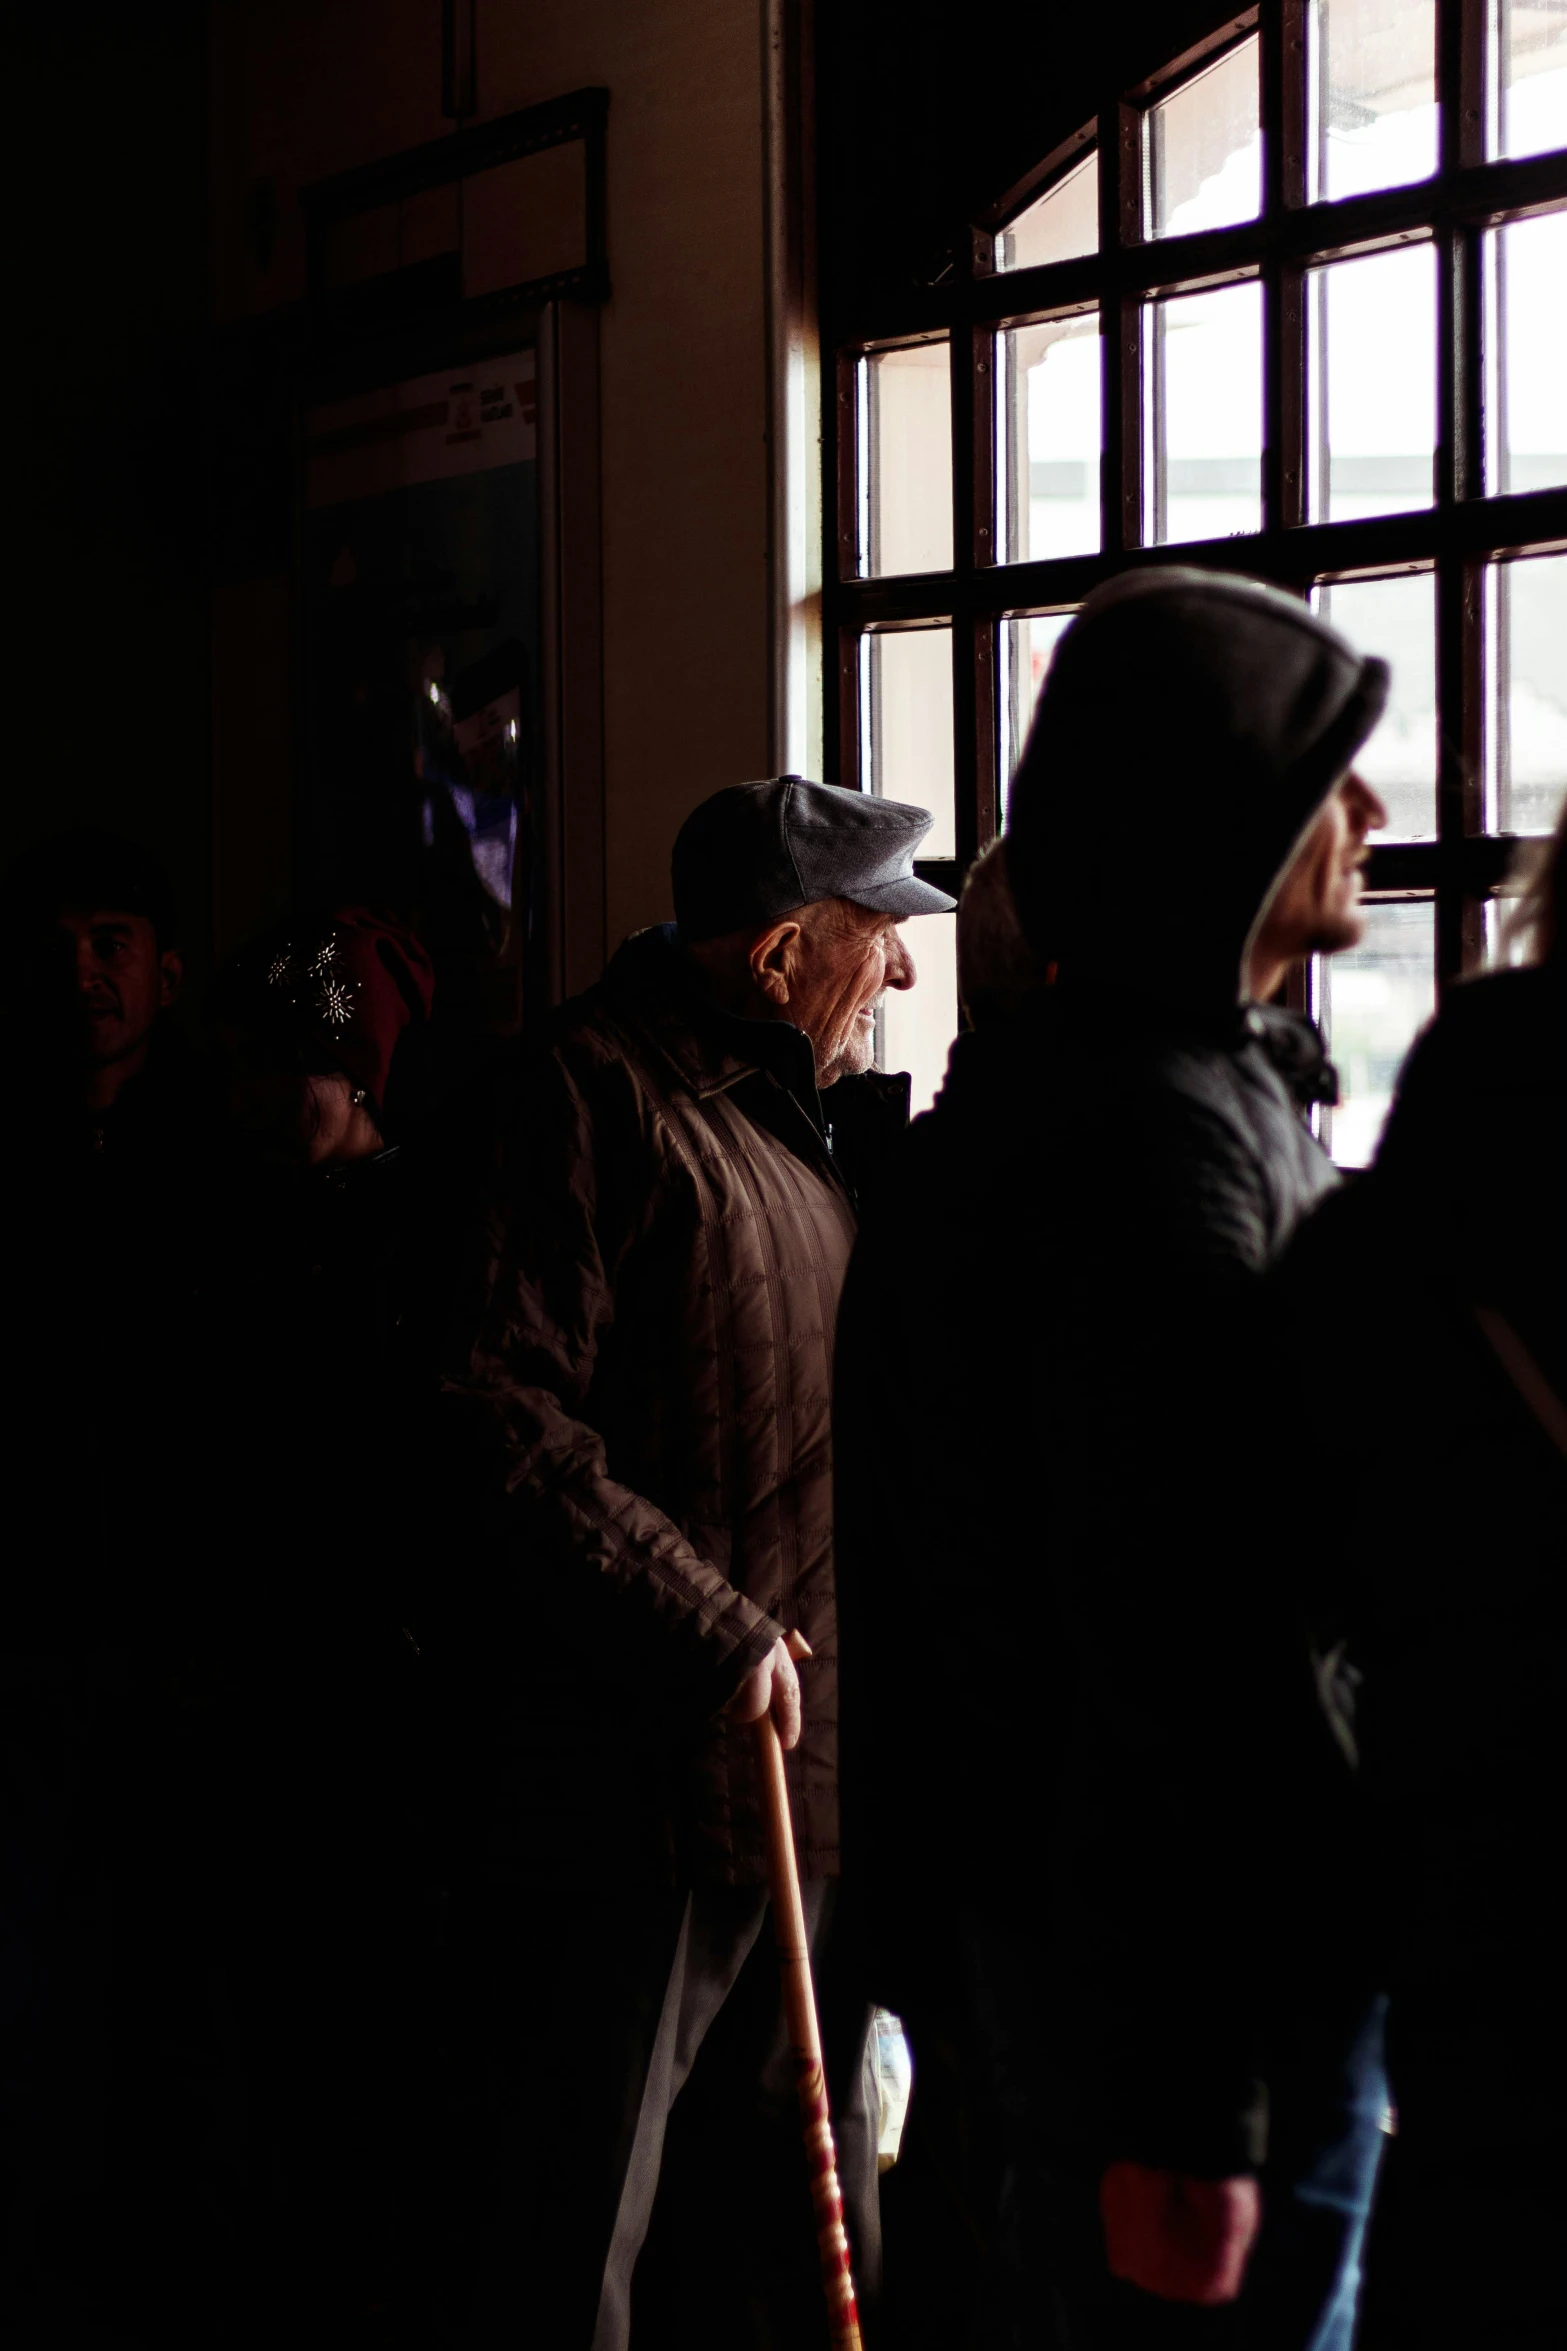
(1455,538)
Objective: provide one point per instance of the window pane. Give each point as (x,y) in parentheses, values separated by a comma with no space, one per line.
(1061,225)
(915,1026)
(1396,618)
(1372,383)
(1527,77)
(1526,720)
(906,714)
(906,460)
(1047,439)
(1526,407)
(1371,1001)
(1202,150)
(1371,86)
(1027,647)
(1202,416)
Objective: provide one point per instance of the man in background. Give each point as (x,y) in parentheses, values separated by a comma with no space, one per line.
(108,1169)
(92,945)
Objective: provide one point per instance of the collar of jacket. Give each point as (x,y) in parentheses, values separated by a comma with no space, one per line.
(710,1050)
(1294,1046)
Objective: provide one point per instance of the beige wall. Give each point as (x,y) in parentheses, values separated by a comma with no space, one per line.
(301,90)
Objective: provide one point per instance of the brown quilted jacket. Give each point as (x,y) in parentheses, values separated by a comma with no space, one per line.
(668,1246)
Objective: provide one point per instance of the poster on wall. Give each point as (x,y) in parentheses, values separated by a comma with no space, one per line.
(421,638)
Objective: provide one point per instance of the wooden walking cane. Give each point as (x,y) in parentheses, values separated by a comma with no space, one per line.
(805,2041)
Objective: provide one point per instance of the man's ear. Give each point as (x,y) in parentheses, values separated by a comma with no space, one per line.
(772,960)
(171,976)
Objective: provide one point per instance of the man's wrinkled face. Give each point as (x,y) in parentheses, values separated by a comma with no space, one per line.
(107,977)
(1316,909)
(844,960)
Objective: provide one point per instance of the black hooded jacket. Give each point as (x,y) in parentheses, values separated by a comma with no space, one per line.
(1068,1675)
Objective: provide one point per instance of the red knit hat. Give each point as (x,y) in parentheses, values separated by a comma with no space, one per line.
(347,988)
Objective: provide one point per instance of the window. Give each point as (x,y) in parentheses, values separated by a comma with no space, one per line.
(1293,307)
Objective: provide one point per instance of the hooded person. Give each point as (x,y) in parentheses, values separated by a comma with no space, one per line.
(1054,1496)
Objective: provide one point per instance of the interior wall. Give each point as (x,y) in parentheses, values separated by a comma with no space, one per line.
(301,89)
(107,305)
(929,111)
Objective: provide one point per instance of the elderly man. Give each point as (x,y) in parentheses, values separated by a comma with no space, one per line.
(653,1370)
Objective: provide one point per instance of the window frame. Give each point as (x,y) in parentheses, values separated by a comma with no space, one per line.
(1456,538)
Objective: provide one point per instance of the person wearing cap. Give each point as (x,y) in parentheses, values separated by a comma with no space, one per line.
(109,1148)
(92,946)
(1059,1491)
(652,1375)
(111,1129)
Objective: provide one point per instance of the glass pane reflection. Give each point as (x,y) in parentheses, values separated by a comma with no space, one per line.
(1047,439)
(1202,150)
(1061,225)
(1371,1002)
(1371,377)
(1527,77)
(1526,714)
(1397,619)
(906,460)
(906,715)
(1027,647)
(1526,407)
(915,1026)
(1202,422)
(1371,83)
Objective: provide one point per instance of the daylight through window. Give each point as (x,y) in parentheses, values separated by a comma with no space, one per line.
(1294,307)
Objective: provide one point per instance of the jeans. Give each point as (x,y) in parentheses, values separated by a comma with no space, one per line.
(1329,2097)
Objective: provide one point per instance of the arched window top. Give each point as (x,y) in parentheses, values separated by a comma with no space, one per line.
(1292,306)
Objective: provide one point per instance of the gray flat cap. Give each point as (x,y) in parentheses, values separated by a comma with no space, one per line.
(758,851)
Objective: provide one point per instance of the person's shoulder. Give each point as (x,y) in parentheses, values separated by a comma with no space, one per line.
(1498,1030)
(1484,1088)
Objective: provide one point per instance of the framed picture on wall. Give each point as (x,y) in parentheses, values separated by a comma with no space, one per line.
(447,611)
(420,613)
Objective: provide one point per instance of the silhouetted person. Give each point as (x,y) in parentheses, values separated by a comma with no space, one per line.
(999,975)
(108,1159)
(653,1371)
(325,1352)
(110,1128)
(1058,1514)
(1445,1574)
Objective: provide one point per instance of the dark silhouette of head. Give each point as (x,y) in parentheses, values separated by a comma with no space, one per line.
(89,924)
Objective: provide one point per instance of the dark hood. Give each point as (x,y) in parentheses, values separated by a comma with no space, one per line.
(1190,728)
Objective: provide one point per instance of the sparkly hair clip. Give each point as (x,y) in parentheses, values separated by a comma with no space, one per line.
(331,995)
(335,1002)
